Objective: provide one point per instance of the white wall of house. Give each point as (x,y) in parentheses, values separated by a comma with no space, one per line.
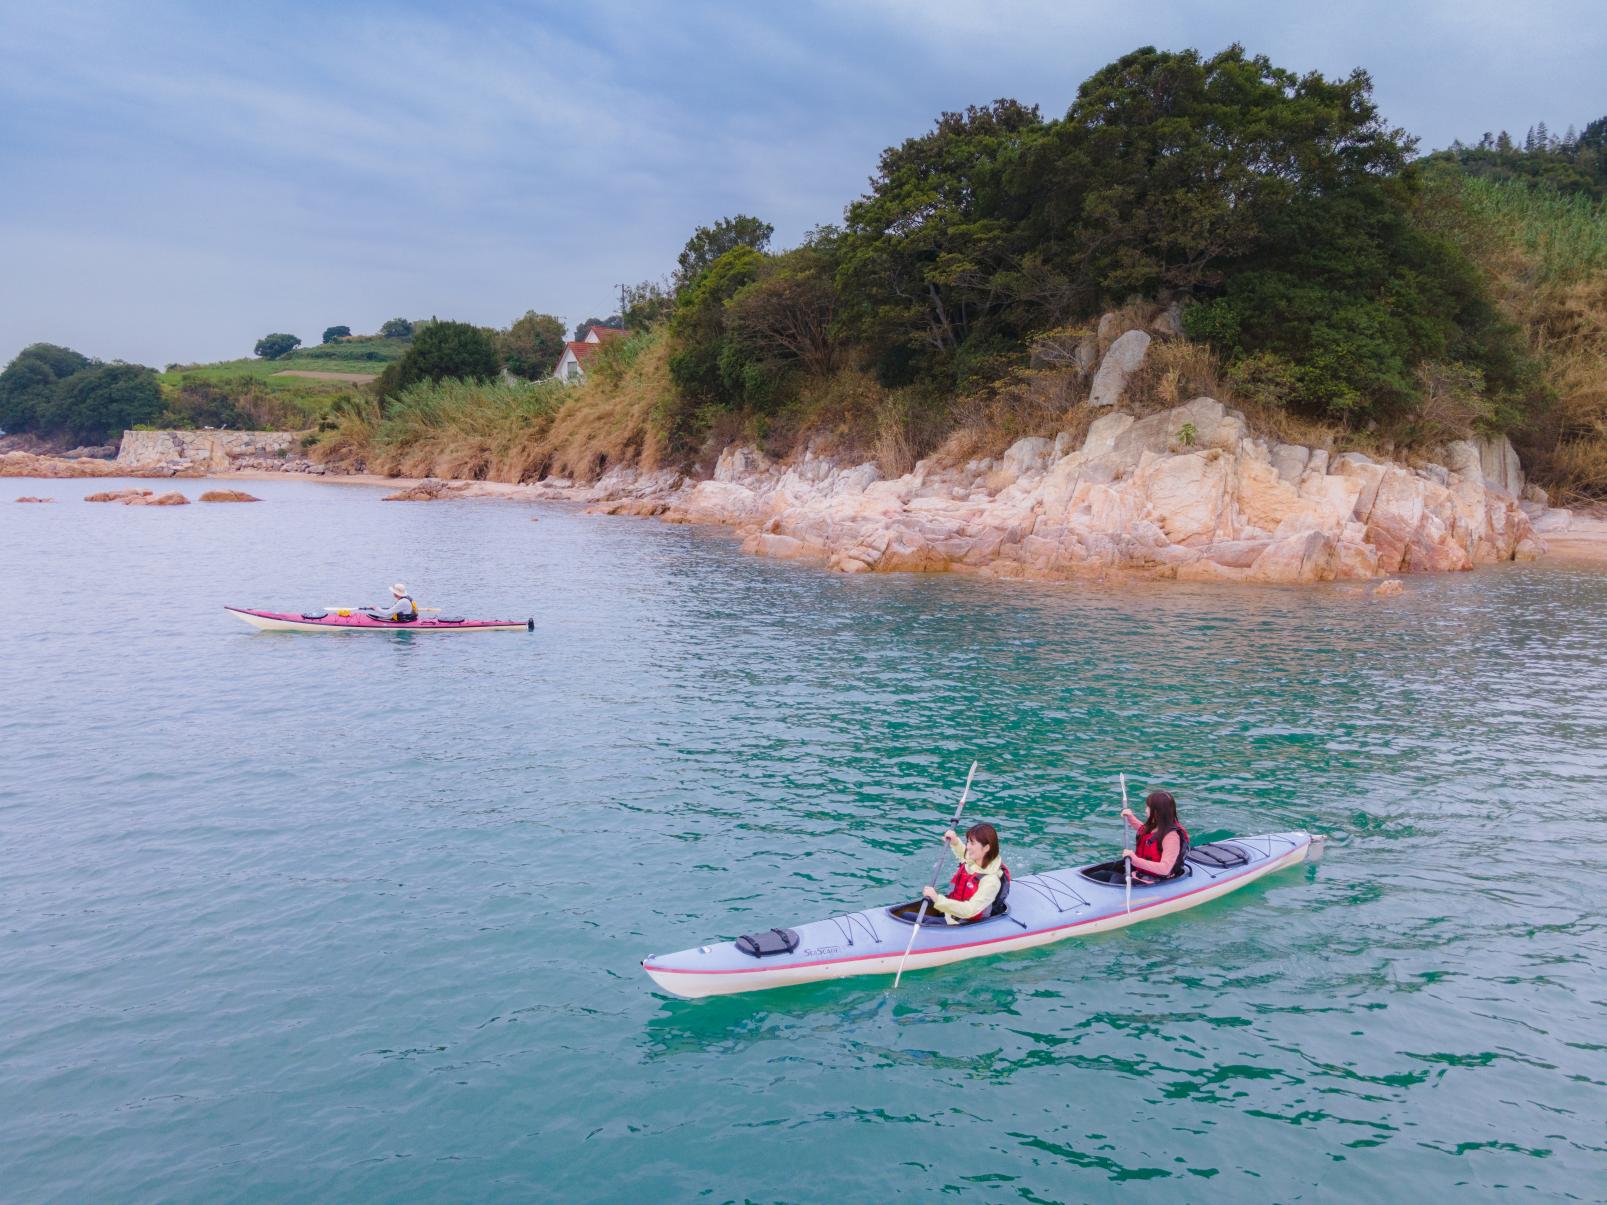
(568,367)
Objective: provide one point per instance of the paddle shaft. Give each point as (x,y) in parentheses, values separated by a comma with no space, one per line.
(1125,859)
(937,869)
(437,609)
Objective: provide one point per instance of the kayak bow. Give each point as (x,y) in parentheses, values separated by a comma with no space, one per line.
(1042,908)
(356,621)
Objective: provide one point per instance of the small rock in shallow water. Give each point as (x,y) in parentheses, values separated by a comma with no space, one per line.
(116,495)
(30,498)
(147,499)
(1388,589)
(228,496)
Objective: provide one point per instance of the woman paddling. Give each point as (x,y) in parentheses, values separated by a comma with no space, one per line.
(981,881)
(1162,841)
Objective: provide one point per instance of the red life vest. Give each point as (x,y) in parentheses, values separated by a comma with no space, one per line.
(1149,847)
(964,884)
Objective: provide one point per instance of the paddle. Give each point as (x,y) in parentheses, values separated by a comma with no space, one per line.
(1125,859)
(937,869)
(435,609)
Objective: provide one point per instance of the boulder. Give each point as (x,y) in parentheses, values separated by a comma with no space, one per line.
(643,507)
(1499,462)
(1290,461)
(1029,455)
(1312,557)
(1123,358)
(30,498)
(146,498)
(116,495)
(431,489)
(1168,323)
(1550,522)
(1388,589)
(228,496)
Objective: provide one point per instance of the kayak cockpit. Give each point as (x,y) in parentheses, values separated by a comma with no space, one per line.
(1114,874)
(905,914)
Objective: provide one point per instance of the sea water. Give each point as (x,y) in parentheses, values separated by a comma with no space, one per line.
(359,917)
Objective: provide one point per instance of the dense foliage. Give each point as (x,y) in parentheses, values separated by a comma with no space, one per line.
(1279,211)
(531,345)
(442,350)
(276,346)
(1574,163)
(709,243)
(396,328)
(333,334)
(56,392)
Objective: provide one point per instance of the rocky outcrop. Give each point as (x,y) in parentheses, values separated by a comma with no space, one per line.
(1136,497)
(228,496)
(27,464)
(31,498)
(176,452)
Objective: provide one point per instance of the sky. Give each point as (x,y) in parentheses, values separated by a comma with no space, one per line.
(177,180)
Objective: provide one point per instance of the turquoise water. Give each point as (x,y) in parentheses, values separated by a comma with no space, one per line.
(359,917)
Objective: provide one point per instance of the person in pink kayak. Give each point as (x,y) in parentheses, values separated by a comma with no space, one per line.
(402,608)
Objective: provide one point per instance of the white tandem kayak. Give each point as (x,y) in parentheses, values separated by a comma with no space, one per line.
(1041,908)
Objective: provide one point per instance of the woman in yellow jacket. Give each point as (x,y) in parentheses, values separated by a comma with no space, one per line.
(980,881)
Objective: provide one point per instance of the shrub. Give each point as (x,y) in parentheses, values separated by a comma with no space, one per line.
(441,351)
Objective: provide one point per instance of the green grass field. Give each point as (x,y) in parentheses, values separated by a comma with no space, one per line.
(368,357)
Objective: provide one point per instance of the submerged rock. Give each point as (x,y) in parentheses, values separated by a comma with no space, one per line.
(30,498)
(116,495)
(228,496)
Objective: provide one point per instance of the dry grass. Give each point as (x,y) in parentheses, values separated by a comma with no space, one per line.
(1136,315)
(510,432)
(462,429)
(609,420)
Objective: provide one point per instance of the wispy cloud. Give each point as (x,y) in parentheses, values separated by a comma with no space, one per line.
(181,178)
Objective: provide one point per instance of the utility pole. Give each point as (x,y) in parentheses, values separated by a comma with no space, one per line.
(622,305)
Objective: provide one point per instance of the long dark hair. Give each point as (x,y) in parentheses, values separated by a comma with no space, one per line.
(1162,817)
(987,835)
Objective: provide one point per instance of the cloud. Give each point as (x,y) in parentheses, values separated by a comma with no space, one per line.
(182,178)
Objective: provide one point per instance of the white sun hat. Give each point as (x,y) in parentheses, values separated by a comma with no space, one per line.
(398,589)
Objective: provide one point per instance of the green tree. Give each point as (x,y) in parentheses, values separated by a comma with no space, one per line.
(397,328)
(26,383)
(647,304)
(531,345)
(100,402)
(333,334)
(922,251)
(441,350)
(276,347)
(709,243)
(701,365)
(787,316)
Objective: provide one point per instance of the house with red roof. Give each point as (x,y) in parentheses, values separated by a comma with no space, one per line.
(572,364)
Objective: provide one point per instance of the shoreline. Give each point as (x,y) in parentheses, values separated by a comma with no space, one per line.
(819,512)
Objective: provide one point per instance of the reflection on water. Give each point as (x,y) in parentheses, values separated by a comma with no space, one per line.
(360,917)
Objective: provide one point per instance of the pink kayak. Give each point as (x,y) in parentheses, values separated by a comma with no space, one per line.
(356,621)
